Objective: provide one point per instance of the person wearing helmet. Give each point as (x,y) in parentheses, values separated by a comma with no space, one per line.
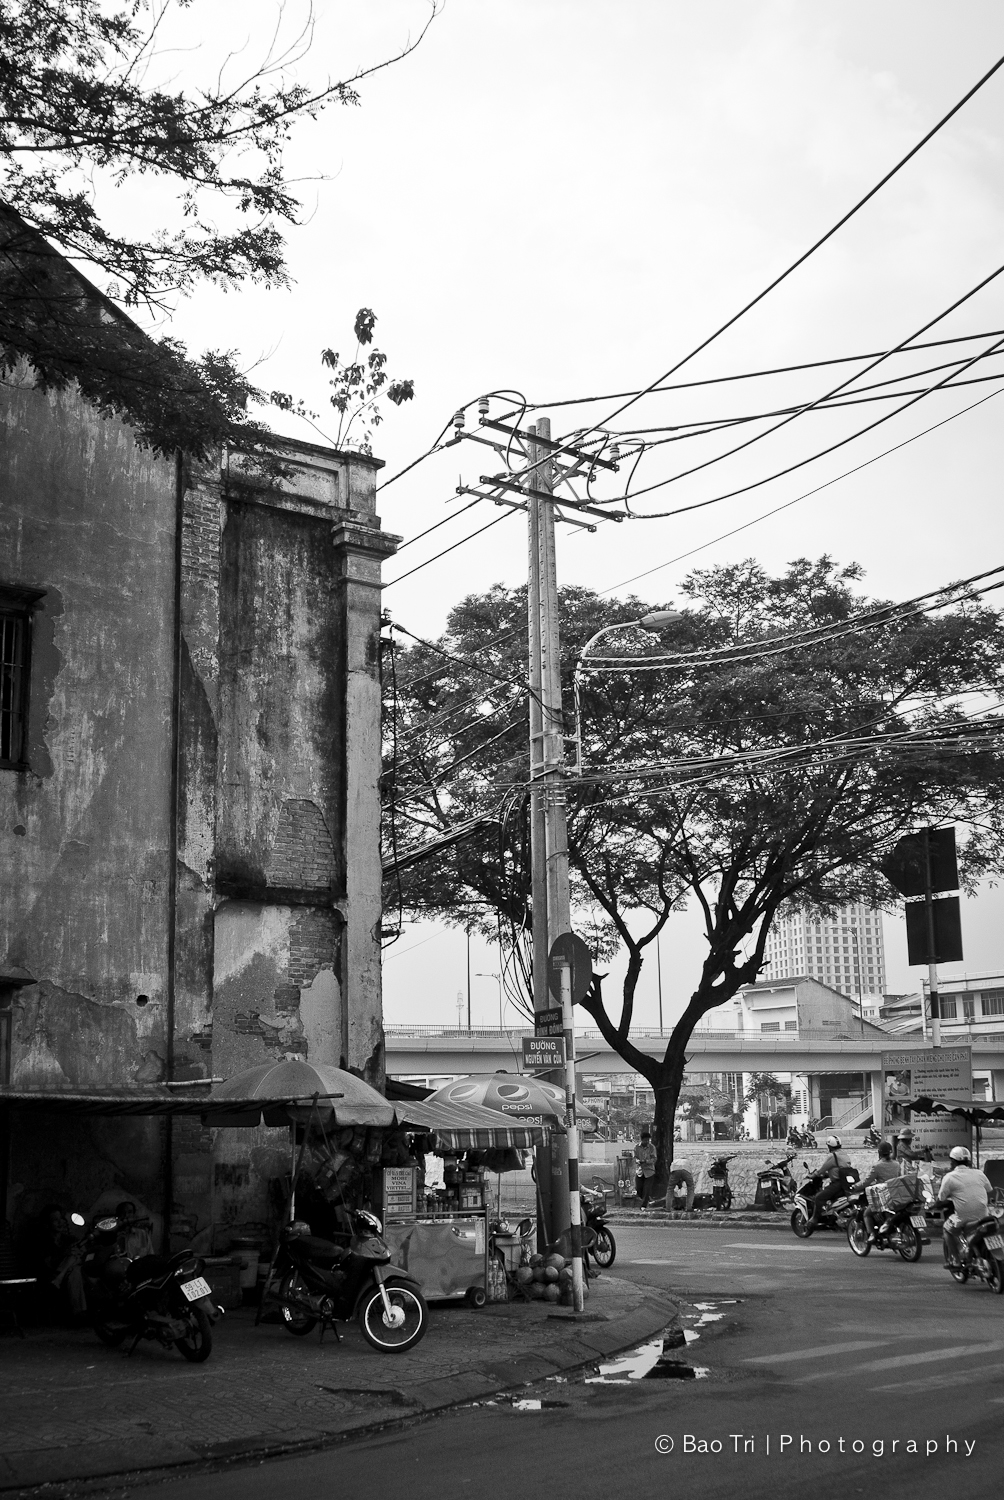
(969,1189)
(836,1168)
(883,1171)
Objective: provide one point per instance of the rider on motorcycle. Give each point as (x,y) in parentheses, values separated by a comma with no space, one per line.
(835,1167)
(969,1190)
(884,1170)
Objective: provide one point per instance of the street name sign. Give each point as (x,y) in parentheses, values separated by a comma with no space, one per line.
(543,1052)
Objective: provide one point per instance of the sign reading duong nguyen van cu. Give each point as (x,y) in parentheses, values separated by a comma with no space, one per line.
(939,1072)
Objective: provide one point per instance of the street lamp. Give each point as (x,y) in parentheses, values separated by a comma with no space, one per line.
(497,977)
(654,621)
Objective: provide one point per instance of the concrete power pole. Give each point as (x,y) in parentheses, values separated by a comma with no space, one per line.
(548,834)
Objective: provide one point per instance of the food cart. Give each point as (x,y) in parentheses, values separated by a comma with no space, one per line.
(443,1241)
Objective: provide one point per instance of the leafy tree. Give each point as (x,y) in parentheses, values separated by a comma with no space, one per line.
(747,781)
(79,118)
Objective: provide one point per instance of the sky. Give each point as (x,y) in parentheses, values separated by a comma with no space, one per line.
(563,198)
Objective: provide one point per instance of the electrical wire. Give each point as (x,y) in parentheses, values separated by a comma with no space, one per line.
(873,619)
(807,494)
(704,344)
(780,473)
(679,431)
(815,364)
(401,576)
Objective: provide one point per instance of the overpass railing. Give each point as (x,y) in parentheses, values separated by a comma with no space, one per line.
(891,1043)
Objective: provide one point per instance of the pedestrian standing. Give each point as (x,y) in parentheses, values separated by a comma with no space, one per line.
(645,1168)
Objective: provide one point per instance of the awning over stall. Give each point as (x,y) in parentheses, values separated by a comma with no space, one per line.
(467,1127)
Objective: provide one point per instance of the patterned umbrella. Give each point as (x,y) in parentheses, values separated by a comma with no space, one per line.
(524,1099)
(281,1089)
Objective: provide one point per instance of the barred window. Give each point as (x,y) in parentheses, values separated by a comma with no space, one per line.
(993,1003)
(948,1009)
(15,661)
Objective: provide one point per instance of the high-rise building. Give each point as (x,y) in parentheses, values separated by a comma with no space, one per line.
(845,951)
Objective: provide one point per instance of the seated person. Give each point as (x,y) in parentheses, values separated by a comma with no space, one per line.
(884,1170)
(680,1175)
(837,1169)
(48,1256)
(969,1190)
(134,1239)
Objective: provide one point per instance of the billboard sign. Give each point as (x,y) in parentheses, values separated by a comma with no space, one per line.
(939,1072)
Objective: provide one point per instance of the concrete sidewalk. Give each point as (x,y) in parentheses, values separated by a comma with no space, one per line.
(74,1410)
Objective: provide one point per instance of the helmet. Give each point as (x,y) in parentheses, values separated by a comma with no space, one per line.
(960,1154)
(834,1142)
(885,1150)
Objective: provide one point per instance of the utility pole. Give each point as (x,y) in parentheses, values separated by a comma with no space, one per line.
(548,831)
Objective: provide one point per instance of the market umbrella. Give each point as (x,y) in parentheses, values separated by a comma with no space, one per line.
(514,1094)
(281,1091)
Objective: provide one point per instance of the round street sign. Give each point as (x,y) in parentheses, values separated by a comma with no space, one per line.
(575,952)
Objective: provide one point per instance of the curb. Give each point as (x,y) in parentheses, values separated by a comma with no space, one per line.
(592,1338)
(777,1223)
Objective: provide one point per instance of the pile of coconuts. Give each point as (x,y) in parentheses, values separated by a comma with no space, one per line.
(548,1278)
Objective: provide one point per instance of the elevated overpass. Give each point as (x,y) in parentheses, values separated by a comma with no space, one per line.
(438,1050)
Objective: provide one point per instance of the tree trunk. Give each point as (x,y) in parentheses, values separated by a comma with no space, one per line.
(667,1084)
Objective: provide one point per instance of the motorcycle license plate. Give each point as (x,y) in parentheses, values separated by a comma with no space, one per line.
(918,1221)
(993,1242)
(193,1290)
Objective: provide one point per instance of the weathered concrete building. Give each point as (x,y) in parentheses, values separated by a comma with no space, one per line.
(189,808)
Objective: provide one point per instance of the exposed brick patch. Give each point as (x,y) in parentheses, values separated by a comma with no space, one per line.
(287,997)
(302,857)
(313,944)
(204,1038)
(200,537)
(251,1024)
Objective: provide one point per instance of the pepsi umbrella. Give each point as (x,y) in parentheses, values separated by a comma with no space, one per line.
(514,1094)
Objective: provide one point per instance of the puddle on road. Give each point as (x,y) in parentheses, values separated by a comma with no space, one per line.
(652,1360)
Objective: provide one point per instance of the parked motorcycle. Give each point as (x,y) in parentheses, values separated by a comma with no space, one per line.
(835,1213)
(321,1282)
(982,1254)
(158,1297)
(900,1226)
(775,1185)
(597,1236)
(721,1190)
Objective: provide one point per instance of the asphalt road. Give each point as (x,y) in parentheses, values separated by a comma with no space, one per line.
(826,1376)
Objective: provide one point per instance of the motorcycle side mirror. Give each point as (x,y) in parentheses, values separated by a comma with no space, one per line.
(78,1220)
(805,1164)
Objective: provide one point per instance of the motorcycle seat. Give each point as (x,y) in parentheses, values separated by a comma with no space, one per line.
(147,1268)
(320,1252)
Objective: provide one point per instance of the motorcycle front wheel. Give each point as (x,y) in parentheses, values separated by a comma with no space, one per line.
(391,1337)
(604,1252)
(294,1319)
(857,1237)
(908,1243)
(800,1224)
(197,1345)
